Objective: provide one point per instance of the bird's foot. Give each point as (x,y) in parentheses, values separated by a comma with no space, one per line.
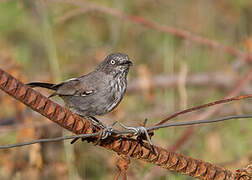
(97,122)
(106,132)
(93,122)
(106,129)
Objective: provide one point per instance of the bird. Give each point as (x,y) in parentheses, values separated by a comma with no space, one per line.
(96,93)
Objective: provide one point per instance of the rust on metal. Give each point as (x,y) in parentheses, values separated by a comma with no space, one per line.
(60,115)
(244,173)
(42,104)
(122,165)
(124,146)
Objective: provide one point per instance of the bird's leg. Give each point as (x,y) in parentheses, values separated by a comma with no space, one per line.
(97,122)
(93,121)
(106,130)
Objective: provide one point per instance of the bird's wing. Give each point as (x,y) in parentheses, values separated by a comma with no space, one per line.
(74,87)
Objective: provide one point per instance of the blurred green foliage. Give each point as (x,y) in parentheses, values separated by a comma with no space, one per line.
(53,41)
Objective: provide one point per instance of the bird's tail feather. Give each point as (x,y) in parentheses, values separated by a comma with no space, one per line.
(43,85)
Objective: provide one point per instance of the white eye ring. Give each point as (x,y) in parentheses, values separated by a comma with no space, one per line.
(112,61)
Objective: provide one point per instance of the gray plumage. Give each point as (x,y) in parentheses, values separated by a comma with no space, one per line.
(97,92)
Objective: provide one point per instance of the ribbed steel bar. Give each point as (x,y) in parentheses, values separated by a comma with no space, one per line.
(43,105)
(130,147)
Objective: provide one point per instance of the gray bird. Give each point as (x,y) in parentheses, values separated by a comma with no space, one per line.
(97,92)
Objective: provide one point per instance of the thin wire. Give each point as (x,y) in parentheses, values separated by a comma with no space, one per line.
(237,98)
(48,140)
(197,122)
(117,132)
(131,130)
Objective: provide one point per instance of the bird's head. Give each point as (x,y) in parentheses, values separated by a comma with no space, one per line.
(115,63)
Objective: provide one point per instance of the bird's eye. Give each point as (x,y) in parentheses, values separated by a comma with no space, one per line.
(112,61)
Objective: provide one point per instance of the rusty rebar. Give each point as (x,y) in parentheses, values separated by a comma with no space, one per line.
(129,147)
(43,105)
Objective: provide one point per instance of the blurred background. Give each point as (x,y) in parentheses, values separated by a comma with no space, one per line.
(55,40)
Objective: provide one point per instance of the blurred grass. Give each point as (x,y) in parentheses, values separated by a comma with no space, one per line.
(51,50)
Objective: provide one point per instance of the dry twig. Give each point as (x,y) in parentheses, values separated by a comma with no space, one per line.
(234,92)
(222,101)
(161,28)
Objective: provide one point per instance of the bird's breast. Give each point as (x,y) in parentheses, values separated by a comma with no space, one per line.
(117,91)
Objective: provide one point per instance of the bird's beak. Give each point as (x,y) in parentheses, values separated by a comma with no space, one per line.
(128,62)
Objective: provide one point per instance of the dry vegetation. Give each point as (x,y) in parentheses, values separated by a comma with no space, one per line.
(52,41)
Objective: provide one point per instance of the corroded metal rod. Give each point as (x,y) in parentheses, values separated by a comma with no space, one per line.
(130,147)
(43,105)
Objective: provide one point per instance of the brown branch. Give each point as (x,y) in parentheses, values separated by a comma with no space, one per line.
(161,28)
(234,92)
(222,101)
(129,147)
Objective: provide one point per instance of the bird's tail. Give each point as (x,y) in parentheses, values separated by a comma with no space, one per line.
(43,85)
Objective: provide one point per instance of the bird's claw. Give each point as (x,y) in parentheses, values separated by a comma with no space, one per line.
(107,131)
